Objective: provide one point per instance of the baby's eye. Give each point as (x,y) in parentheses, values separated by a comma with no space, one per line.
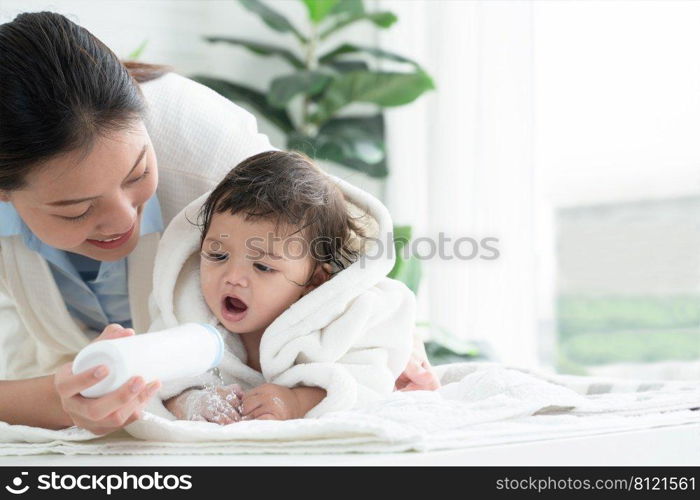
(262,267)
(216,257)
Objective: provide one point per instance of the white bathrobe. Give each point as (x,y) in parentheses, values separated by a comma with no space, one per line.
(351,336)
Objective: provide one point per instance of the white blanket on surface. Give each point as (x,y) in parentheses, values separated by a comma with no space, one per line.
(352,335)
(480,404)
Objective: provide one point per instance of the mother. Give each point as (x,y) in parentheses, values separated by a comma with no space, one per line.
(80,217)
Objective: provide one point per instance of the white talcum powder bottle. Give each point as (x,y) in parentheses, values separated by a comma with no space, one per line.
(184,351)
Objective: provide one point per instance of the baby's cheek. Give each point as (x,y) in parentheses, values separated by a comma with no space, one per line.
(285,298)
(208,282)
(265,306)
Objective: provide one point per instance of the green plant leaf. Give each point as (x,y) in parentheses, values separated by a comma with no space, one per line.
(342,67)
(408,271)
(241,94)
(138,51)
(381,19)
(319,9)
(402,237)
(347,66)
(439,354)
(355,142)
(262,49)
(285,88)
(383,88)
(362,136)
(329,150)
(443,337)
(349,48)
(350,7)
(272,18)
(412,274)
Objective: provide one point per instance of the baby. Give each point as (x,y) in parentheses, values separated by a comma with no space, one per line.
(275,229)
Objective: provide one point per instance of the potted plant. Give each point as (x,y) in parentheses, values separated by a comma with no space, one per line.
(309,100)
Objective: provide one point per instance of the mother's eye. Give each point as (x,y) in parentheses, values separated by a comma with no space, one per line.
(140,177)
(77,217)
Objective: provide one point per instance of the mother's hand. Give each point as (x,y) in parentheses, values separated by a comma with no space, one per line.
(112,411)
(418,374)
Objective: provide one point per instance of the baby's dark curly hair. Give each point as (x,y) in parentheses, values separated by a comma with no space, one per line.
(288,189)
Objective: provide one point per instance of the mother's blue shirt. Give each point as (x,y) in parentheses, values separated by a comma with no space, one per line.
(95,292)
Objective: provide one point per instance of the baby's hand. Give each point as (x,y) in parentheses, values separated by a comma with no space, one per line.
(271,402)
(221,405)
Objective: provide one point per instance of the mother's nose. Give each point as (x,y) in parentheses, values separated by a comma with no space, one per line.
(118,217)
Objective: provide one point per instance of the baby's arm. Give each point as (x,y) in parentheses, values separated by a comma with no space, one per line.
(176,405)
(220,405)
(308,397)
(276,402)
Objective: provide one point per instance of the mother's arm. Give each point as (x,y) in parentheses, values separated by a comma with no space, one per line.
(19,400)
(30,401)
(54,401)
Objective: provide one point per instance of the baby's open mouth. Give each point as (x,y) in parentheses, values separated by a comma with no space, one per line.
(234,305)
(233,309)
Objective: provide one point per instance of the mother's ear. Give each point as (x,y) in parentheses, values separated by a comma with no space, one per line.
(4,195)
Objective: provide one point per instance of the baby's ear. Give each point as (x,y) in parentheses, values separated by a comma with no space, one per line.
(4,196)
(320,276)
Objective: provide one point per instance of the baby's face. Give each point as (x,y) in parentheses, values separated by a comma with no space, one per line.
(250,275)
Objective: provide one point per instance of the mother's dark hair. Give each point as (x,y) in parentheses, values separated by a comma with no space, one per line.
(60,88)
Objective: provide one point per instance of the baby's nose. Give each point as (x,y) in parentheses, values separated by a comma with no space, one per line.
(237,276)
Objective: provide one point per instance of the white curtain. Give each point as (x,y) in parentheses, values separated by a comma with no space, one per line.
(462,163)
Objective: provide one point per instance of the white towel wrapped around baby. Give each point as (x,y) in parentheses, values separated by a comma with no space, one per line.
(352,335)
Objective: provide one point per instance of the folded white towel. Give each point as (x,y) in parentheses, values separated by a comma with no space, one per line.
(479,404)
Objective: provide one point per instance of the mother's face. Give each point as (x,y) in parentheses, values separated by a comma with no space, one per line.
(81,200)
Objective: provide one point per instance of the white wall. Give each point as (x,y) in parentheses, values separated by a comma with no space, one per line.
(618,99)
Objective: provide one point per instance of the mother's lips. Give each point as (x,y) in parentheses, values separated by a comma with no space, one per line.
(114,237)
(114,243)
